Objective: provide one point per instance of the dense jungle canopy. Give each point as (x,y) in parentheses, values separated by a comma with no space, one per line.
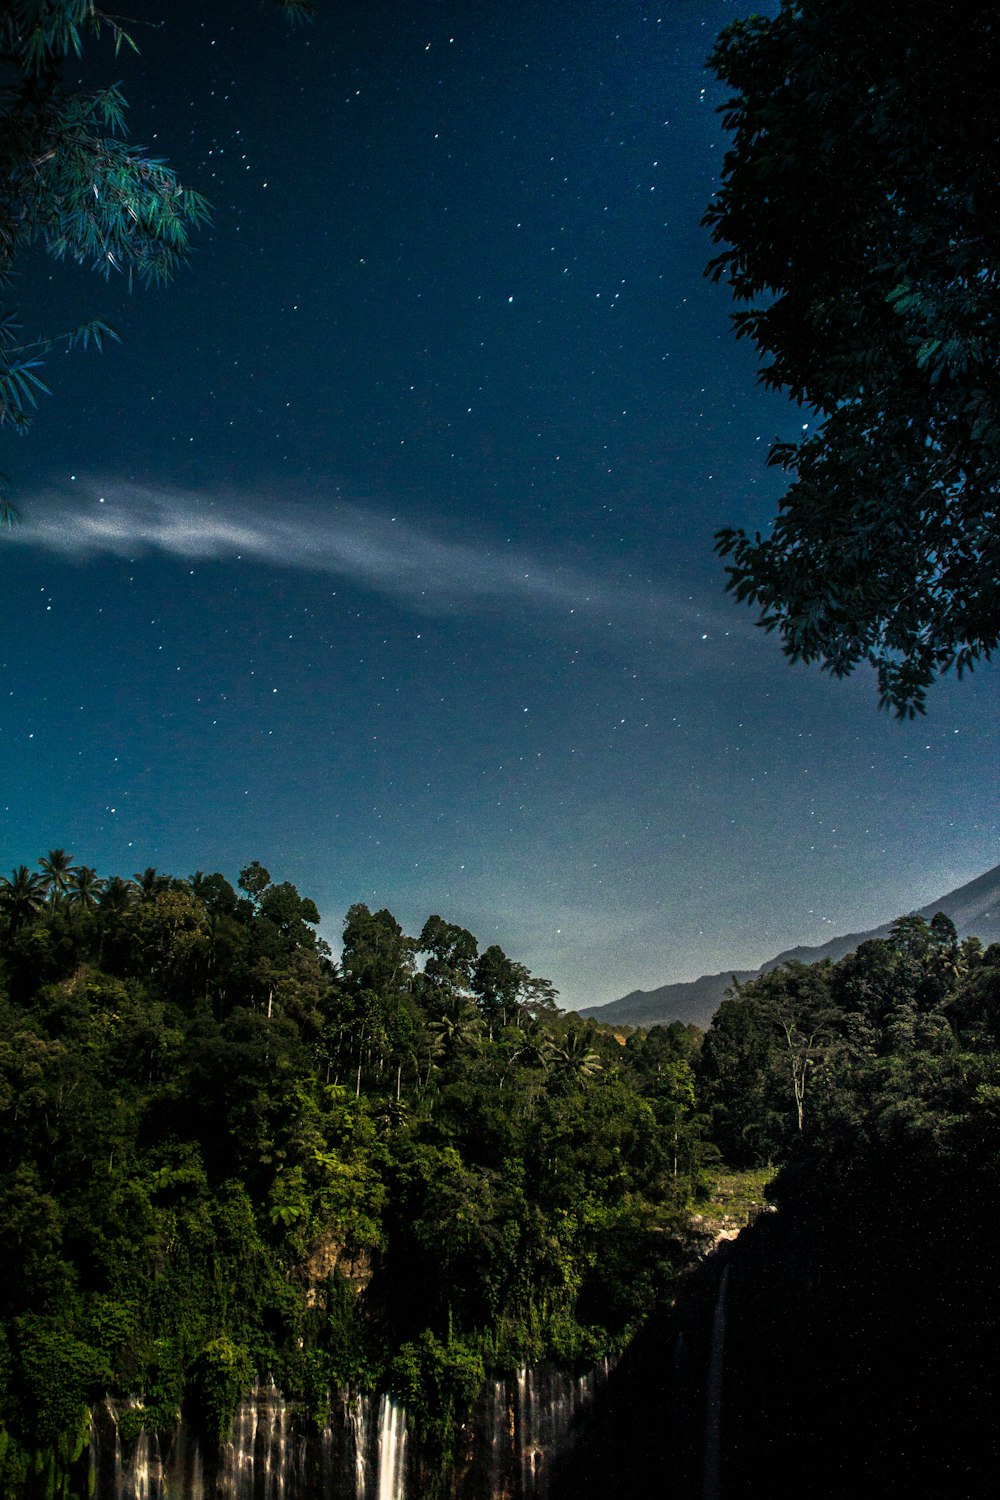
(226,1155)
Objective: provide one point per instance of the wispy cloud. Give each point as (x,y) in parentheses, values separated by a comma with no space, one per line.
(370,549)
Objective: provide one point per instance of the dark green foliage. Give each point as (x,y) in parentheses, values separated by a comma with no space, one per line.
(438,1382)
(859,218)
(222,1372)
(52,1373)
(894,1047)
(223,1157)
(861,1319)
(870,1321)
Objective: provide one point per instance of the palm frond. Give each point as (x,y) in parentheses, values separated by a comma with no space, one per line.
(9,513)
(297,11)
(94,332)
(19,387)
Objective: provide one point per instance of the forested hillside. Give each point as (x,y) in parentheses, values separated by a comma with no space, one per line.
(226,1157)
(896,1046)
(863,1317)
(848,1342)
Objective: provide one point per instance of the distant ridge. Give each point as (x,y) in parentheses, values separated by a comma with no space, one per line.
(974,908)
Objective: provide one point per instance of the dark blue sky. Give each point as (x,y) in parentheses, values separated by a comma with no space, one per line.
(380,549)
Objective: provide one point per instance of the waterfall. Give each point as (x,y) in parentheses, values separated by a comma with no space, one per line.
(713,1392)
(270,1454)
(500,1426)
(267,1455)
(548,1405)
(237,1469)
(526,1433)
(391,1451)
(256,1464)
(513,1446)
(105,1450)
(147,1471)
(139,1475)
(357,1419)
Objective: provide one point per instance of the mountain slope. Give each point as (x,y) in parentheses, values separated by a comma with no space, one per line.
(974,908)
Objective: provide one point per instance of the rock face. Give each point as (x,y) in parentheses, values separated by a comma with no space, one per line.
(328,1254)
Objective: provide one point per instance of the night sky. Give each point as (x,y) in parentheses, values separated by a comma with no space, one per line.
(380,550)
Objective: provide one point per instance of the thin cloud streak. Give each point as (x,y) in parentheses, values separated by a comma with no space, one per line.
(362,547)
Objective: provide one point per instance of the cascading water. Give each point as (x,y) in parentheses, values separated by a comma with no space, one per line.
(135,1474)
(255,1464)
(391,1451)
(714,1392)
(534,1421)
(357,1421)
(500,1427)
(524,1431)
(147,1468)
(518,1434)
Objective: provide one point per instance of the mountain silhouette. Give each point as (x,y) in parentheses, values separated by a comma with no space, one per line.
(974,908)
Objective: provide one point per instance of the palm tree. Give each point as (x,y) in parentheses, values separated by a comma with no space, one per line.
(575,1061)
(459,1029)
(22,895)
(117,895)
(536,1049)
(151,883)
(85,888)
(57,872)
(428,1050)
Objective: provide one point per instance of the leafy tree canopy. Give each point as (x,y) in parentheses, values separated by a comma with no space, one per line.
(858,215)
(223,1156)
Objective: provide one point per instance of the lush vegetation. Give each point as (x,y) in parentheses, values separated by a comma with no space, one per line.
(893,1050)
(861,1318)
(225,1156)
(857,216)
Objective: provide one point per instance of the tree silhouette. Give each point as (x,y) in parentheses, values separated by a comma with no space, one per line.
(21,896)
(85,888)
(57,873)
(858,215)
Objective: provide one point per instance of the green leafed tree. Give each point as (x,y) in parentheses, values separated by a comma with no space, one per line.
(452,952)
(85,888)
(57,873)
(22,894)
(495,983)
(72,181)
(859,230)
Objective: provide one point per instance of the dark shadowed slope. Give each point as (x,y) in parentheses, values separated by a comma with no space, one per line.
(974,908)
